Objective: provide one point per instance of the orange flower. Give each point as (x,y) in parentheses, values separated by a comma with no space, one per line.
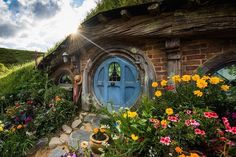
(178,150)
(154,84)
(19,126)
(95,130)
(194,155)
(225,87)
(182,155)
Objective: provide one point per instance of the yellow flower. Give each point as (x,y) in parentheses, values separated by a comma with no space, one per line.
(178,150)
(176,78)
(163,83)
(95,130)
(201,83)
(158,93)
(195,77)
(154,84)
(186,78)
(134,137)
(205,77)
(132,114)
(84,144)
(102,130)
(169,111)
(198,93)
(194,155)
(19,126)
(125,115)
(163,122)
(225,87)
(1,129)
(182,155)
(214,80)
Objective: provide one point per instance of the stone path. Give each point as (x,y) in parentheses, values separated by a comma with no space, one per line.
(71,135)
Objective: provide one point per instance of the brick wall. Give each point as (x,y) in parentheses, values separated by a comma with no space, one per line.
(196,52)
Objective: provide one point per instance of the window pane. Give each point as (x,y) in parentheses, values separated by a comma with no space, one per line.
(228,73)
(114,72)
(65,79)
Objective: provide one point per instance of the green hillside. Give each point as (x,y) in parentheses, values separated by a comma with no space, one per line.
(10,57)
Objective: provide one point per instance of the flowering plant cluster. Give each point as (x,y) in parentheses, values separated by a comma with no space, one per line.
(183,119)
(27,121)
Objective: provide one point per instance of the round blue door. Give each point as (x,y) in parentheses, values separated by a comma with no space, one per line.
(116,82)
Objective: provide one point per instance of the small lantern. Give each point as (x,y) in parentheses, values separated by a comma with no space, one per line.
(65,57)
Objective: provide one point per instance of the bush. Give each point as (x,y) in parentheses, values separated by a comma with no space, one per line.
(189,118)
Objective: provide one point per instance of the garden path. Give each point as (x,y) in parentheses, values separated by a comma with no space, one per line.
(70,136)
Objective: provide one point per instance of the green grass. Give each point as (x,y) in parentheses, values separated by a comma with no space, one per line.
(15,77)
(105,5)
(10,57)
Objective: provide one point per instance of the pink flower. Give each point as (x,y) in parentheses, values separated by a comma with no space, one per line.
(226,124)
(192,122)
(188,111)
(232,130)
(165,140)
(172,118)
(199,132)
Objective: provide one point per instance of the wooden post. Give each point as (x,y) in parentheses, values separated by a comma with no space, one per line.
(173,57)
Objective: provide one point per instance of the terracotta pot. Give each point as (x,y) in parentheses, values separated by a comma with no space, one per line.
(96,144)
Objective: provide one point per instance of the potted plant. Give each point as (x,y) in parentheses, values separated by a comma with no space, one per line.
(98,140)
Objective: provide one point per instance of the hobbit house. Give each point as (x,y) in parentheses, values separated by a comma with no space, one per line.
(116,55)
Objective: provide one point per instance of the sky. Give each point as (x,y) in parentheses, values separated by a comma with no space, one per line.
(39,24)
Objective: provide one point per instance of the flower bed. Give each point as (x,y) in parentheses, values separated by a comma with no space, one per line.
(193,118)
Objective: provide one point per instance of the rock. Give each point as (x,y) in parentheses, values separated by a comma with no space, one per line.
(87,127)
(54,142)
(76,137)
(89,117)
(66,129)
(76,123)
(64,138)
(84,113)
(43,152)
(93,119)
(58,152)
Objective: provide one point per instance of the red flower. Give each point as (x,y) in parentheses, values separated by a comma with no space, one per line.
(213,115)
(170,87)
(29,102)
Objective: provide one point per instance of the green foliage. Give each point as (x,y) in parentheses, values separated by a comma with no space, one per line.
(48,120)
(9,57)
(15,144)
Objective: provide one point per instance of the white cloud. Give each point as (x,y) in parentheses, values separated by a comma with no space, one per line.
(35,33)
